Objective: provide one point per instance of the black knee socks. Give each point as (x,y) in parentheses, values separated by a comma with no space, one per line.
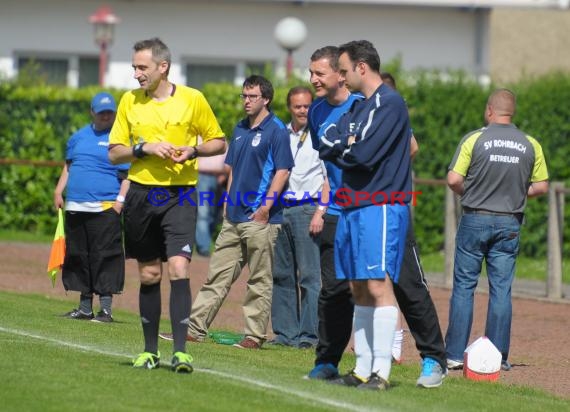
(180,312)
(149,306)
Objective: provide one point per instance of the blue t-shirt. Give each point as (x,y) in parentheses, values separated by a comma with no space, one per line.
(92,177)
(255,155)
(377,166)
(321,115)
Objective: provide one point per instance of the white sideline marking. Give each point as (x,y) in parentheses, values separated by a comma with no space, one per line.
(303,395)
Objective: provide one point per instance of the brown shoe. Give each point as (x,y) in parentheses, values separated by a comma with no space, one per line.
(247,343)
(169,336)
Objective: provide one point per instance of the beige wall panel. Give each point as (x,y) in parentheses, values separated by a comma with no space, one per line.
(528,42)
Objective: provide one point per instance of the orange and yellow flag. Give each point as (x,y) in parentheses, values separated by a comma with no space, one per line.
(57,252)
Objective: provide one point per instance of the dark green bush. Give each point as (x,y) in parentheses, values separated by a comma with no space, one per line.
(35,124)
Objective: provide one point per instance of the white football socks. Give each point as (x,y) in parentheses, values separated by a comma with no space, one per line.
(385,319)
(397,345)
(363,322)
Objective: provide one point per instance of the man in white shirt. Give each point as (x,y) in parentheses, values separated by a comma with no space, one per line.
(296,268)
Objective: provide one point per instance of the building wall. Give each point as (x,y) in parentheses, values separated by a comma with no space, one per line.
(528,42)
(214,31)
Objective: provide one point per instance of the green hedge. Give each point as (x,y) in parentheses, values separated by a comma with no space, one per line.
(35,124)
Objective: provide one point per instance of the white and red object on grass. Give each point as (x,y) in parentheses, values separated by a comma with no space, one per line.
(482,361)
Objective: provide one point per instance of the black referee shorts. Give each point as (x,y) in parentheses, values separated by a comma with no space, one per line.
(160,221)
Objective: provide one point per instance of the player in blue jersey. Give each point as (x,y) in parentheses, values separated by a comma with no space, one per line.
(413,296)
(335,306)
(335,301)
(371,143)
(95,191)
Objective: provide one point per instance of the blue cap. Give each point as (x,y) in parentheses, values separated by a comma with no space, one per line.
(103,101)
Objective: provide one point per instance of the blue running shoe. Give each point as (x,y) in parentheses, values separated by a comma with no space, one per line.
(323,371)
(432,374)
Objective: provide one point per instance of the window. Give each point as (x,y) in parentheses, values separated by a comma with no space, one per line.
(198,74)
(51,71)
(74,71)
(88,71)
(255,68)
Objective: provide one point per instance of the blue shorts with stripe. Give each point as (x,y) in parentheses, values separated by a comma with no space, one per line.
(370,242)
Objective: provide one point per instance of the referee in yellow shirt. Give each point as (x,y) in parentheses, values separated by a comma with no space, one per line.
(156,129)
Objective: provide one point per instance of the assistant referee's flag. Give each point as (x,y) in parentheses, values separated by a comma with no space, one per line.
(57,252)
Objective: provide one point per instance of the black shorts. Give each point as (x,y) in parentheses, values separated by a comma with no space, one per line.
(94,257)
(160,222)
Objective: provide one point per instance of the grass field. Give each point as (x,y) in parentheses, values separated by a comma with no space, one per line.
(28,237)
(54,364)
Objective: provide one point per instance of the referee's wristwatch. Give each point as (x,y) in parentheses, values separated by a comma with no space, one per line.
(138,150)
(194,154)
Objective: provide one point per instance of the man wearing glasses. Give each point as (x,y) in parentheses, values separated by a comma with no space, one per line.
(260,159)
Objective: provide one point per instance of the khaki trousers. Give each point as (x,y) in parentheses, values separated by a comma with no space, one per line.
(236,245)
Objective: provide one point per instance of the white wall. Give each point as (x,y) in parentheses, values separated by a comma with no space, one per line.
(204,31)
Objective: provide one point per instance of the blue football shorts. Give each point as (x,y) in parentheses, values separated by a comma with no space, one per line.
(370,242)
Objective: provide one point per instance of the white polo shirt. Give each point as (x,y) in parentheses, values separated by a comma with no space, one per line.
(308,174)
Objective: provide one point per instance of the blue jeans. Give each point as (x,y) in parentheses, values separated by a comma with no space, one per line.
(296,279)
(207,212)
(496,239)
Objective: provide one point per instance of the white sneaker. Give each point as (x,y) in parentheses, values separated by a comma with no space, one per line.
(454,365)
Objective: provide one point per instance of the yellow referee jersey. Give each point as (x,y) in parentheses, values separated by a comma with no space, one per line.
(178,120)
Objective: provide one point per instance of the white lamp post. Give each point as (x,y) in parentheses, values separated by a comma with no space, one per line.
(290,33)
(103,24)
